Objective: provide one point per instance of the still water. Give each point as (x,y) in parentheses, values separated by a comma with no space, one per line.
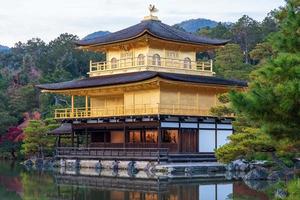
(17,183)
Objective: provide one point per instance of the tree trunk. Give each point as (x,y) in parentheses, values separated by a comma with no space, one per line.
(13,154)
(41,152)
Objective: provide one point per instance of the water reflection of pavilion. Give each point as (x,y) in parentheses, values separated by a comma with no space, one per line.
(126,188)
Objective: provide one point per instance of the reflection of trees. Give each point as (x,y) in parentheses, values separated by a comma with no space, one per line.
(293,189)
(37,186)
(10,183)
(8,194)
(242,191)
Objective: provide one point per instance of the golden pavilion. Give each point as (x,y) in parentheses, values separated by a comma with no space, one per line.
(149,100)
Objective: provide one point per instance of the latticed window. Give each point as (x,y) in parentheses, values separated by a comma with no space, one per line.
(114,63)
(172,54)
(141,60)
(126,54)
(187,64)
(156,60)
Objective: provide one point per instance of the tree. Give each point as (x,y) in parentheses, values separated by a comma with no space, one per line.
(206,31)
(246,141)
(262,52)
(221,31)
(6,120)
(229,63)
(269,24)
(293,189)
(11,141)
(36,62)
(246,32)
(36,140)
(272,99)
(223,109)
(287,39)
(23,99)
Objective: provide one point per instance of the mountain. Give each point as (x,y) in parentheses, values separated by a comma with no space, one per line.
(3,48)
(95,34)
(193,25)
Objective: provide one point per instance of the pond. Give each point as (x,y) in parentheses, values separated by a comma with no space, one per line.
(17,183)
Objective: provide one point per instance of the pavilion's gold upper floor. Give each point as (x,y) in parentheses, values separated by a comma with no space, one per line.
(152,97)
(151,58)
(150,46)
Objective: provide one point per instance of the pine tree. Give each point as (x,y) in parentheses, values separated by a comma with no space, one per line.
(36,140)
(229,62)
(272,101)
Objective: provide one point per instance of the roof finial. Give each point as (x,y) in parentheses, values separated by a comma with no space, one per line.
(152,10)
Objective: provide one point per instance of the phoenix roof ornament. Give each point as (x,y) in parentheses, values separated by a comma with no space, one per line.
(152,9)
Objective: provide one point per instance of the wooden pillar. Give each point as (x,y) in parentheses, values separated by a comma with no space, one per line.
(86,105)
(77,140)
(72,138)
(216,134)
(158,135)
(179,138)
(91,68)
(59,144)
(72,105)
(124,130)
(87,138)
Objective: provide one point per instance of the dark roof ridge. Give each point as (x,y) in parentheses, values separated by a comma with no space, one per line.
(165,27)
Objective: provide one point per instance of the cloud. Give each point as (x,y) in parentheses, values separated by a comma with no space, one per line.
(22,20)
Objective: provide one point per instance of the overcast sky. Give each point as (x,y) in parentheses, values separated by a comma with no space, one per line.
(21,20)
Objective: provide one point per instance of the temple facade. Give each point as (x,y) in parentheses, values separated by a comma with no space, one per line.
(150,99)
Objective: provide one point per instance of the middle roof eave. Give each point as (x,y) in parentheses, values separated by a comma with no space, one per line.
(135,77)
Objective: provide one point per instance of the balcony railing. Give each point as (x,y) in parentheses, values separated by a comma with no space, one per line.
(155,153)
(144,109)
(150,62)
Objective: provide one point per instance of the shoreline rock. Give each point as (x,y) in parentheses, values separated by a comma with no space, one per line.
(258,173)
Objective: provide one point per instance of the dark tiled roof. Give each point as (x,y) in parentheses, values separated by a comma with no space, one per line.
(134,77)
(156,29)
(64,129)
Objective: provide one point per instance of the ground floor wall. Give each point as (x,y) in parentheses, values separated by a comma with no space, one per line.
(173,133)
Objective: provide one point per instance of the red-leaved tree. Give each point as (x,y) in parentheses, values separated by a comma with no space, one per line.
(11,141)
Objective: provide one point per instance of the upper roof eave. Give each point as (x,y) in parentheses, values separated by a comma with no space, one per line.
(151,34)
(155,29)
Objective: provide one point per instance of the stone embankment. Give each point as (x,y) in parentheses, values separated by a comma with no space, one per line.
(256,170)
(236,170)
(203,169)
